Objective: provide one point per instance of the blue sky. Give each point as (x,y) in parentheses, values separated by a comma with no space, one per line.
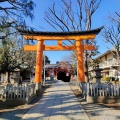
(106,8)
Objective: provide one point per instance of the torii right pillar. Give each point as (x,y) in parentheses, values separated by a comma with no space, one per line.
(79,49)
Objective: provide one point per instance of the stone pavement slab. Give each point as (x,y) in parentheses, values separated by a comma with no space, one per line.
(59,103)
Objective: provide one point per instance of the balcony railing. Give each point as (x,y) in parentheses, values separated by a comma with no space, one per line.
(109,63)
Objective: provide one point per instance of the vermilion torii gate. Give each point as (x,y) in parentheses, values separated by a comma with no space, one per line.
(59,36)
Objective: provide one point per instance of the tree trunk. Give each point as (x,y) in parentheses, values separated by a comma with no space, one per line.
(86,68)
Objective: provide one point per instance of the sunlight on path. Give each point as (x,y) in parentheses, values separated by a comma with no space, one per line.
(59,103)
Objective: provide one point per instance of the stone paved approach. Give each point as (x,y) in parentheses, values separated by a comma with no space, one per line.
(59,103)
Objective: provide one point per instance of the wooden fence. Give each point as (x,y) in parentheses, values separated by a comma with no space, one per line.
(103,89)
(17,91)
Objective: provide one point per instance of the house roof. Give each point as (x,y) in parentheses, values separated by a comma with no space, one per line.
(105,53)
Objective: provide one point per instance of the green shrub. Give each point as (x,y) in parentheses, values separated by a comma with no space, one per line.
(103,78)
(106,78)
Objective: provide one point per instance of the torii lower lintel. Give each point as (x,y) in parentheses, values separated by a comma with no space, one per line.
(58,47)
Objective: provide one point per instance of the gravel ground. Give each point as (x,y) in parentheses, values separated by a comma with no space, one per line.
(97,111)
(14,113)
(100,112)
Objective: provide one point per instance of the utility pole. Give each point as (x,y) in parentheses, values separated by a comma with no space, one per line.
(44,68)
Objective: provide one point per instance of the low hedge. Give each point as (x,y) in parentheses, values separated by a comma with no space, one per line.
(106,78)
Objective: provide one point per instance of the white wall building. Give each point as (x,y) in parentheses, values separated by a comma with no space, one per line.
(109,64)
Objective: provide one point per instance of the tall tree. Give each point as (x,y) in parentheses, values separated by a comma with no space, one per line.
(12,54)
(47,61)
(111,35)
(16,11)
(73,16)
(17,8)
(7,62)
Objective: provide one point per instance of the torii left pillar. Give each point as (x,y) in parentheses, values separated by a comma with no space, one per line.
(38,69)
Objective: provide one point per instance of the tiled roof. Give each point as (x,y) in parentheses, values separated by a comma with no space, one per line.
(51,66)
(31,32)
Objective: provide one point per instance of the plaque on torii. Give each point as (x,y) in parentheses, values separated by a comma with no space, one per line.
(59,36)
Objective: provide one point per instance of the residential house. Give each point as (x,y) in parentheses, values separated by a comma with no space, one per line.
(109,64)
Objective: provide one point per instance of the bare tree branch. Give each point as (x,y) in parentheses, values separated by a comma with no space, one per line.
(111,34)
(71,18)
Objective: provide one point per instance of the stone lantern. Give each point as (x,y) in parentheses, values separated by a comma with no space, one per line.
(98,75)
